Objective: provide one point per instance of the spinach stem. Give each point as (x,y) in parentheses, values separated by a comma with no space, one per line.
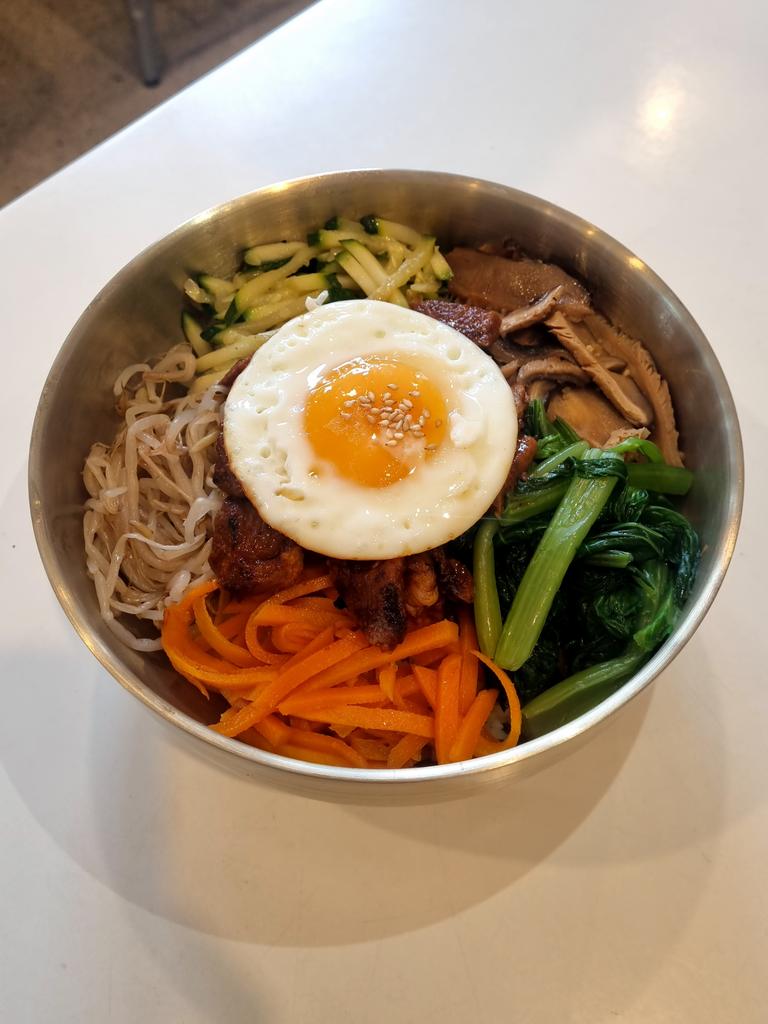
(659,477)
(487,610)
(572,451)
(571,522)
(523,506)
(578,693)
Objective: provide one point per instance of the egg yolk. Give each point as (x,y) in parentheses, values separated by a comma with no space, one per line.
(375,420)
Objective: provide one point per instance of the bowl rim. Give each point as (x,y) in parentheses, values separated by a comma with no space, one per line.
(564,735)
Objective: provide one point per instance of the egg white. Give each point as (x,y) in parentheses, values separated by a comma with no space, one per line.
(276,463)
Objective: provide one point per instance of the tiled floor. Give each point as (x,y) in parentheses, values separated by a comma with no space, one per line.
(69,73)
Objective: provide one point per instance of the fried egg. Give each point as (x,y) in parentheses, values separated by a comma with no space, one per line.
(366,430)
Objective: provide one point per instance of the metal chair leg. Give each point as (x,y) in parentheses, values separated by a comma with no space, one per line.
(150,62)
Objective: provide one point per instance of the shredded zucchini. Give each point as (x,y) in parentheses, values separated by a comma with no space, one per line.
(343,259)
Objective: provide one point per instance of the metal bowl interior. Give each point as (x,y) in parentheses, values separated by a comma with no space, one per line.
(137,316)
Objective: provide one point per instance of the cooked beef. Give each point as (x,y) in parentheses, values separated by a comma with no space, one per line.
(247,554)
(453,578)
(382,594)
(421,589)
(479,325)
(375,594)
(507,285)
(234,372)
(223,476)
(620,390)
(644,373)
(525,453)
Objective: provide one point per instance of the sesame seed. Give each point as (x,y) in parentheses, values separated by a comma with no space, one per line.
(399,436)
(349,403)
(426,414)
(407,403)
(346,415)
(375,410)
(414,393)
(407,421)
(371,396)
(392,387)
(371,419)
(390,444)
(417,431)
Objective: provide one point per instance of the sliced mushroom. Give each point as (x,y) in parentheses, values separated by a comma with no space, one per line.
(609,362)
(541,389)
(531,337)
(552,368)
(520,395)
(527,316)
(590,415)
(621,390)
(512,357)
(643,369)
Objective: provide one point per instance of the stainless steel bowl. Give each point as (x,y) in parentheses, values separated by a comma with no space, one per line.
(137,315)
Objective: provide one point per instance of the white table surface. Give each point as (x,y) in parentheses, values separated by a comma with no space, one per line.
(627,883)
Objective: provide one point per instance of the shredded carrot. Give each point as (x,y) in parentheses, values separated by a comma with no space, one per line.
(292,637)
(232,626)
(273,730)
(254,645)
(407,749)
(302,681)
(376,718)
(387,675)
(216,639)
(418,641)
(287,681)
(427,680)
(300,702)
(447,707)
(468,733)
(469,666)
(279,614)
(515,715)
(303,753)
(329,745)
(434,656)
(300,589)
(321,640)
(369,748)
(405,687)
